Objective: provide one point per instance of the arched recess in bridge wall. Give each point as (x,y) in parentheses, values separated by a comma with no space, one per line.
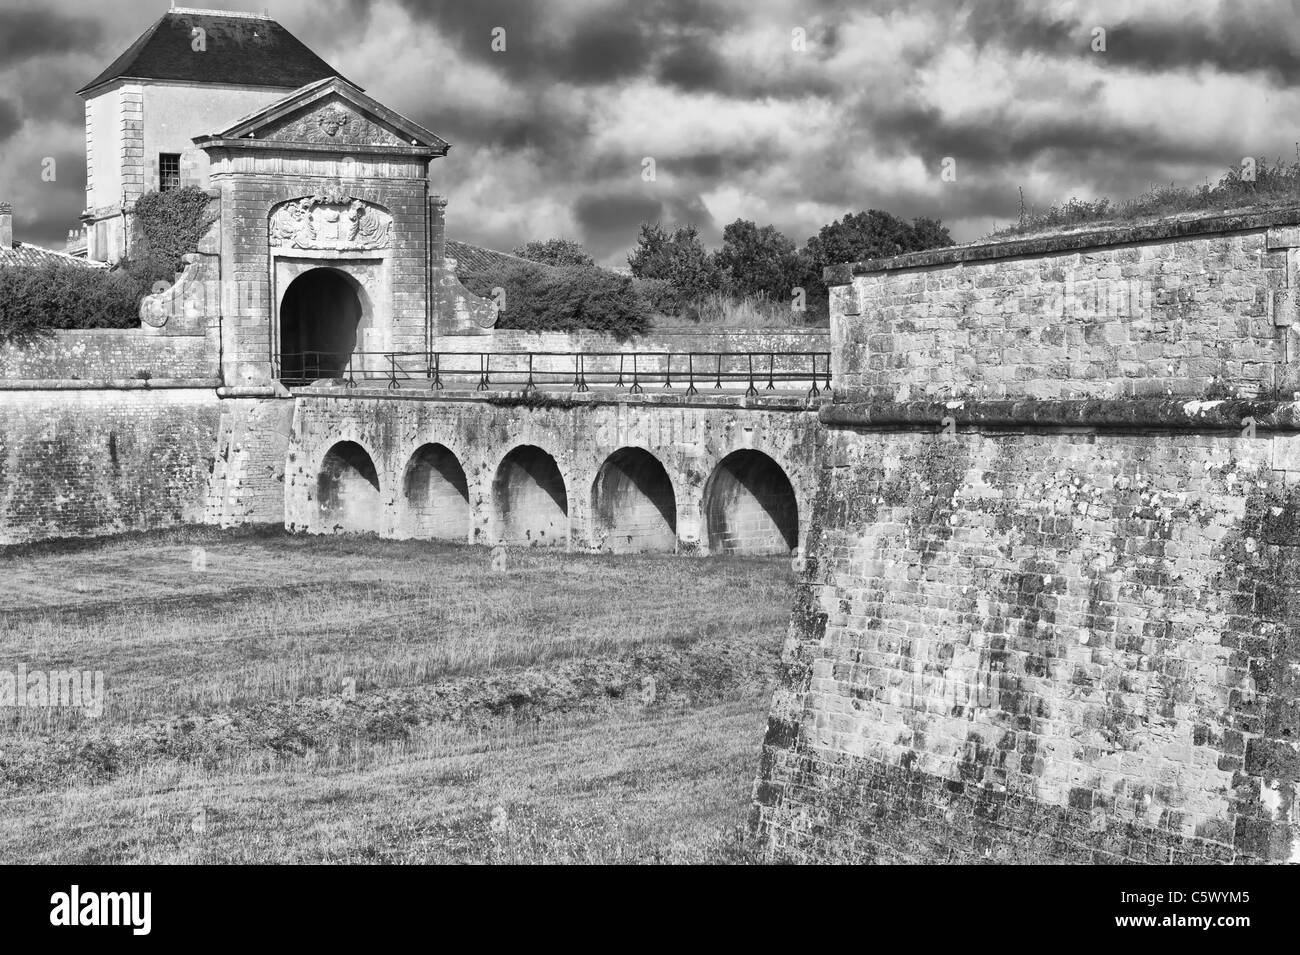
(436,495)
(633,506)
(750,506)
(530,503)
(347,490)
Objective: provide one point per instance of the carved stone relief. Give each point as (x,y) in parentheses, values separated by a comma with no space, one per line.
(337,222)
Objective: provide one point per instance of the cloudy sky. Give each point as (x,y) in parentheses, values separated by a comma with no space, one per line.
(549,136)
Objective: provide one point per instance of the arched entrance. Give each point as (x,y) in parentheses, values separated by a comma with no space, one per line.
(319,315)
(750,507)
(632,503)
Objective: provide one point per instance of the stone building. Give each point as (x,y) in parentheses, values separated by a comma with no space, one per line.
(191,72)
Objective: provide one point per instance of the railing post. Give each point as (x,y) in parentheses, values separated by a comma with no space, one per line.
(392,372)
(636,382)
(771,372)
(690,374)
(484,366)
(530,385)
(352,372)
(437,371)
(751,391)
(718,384)
(814,391)
(668,371)
(580,372)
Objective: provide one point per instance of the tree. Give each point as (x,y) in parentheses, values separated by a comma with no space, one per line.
(872,234)
(561,252)
(758,261)
(678,257)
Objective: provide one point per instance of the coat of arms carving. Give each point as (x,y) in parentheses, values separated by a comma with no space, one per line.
(330,222)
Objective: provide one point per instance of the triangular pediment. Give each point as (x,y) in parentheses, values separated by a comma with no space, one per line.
(331,112)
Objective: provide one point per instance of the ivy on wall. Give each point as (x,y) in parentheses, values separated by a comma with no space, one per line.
(167,226)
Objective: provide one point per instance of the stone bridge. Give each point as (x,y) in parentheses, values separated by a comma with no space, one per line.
(598,471)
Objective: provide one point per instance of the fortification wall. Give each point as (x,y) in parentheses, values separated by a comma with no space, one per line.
(79,463)
(1050,628)
(1200,309)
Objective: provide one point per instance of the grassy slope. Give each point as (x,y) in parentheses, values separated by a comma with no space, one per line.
(575,708)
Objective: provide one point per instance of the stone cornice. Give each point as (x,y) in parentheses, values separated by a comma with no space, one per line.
(1244,220)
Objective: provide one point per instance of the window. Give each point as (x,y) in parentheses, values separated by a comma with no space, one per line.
(169,171)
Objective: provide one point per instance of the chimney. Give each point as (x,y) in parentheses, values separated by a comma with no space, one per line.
(6,225)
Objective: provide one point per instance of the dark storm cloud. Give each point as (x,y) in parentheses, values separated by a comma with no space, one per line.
(603,44)
(10,119)
(1006,139)
(25,34)
(47,94)
(1235,38)
(554,131)
(45,211)
(1239,40)
(616,217)
(602,213)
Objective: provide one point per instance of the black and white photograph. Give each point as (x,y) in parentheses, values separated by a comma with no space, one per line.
(651,432)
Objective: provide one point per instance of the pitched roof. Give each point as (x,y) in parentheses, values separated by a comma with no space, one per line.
(243,49)
(246,131)
(26,255)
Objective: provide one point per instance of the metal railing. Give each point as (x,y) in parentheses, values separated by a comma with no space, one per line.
(567,371)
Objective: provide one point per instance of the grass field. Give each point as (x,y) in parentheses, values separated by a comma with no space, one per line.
(272,698)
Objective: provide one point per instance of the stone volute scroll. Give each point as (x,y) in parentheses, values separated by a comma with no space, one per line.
(333,222)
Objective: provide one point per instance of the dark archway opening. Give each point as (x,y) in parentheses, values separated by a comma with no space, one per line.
(437,494)
(750,507)
(347,490)
(633,504)
(531,504)
(319,315)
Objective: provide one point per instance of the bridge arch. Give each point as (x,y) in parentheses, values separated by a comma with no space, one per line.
(750,506)
(633,505)
(529,498)
(347,490)
(436,494)
(320,315)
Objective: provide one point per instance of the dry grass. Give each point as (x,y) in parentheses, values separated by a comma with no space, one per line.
(497,717)
(1275,185)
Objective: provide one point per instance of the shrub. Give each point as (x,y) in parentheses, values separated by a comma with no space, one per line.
(36,300)
(560,252)
(553,299)
(660,296)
